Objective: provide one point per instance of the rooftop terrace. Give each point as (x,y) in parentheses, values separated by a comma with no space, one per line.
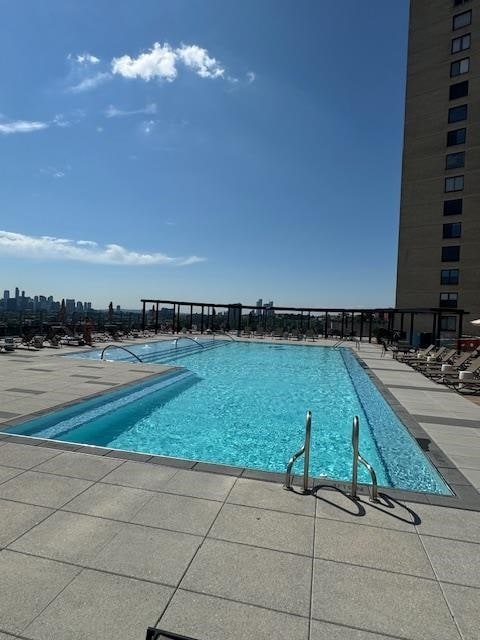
(98,543)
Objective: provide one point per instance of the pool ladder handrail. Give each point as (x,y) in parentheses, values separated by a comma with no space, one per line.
(373,488)
(340,342)
(305,449)
(119,346)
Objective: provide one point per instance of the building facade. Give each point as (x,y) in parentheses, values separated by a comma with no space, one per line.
(439,235)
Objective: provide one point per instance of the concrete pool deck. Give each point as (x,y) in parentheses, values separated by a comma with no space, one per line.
(100,546)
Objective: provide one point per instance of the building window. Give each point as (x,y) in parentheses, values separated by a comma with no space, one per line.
(459,67)
(451,254)
(456,114)
(448,323)
(453,207)
(457,136)
(455,160)
(461,43)
(455,183)
(452,230)
(458,90)
(462,20)
(449,300)
(449,276)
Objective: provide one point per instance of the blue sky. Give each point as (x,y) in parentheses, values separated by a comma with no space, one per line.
(202,149)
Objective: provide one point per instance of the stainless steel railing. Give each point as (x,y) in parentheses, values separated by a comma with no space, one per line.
(175,342)
(118,346)
(358,458)
(305,449)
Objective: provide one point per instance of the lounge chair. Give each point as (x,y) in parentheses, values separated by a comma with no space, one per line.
(259,333)
(459,364)
(9,344)
(452,378)
(311,335)
(417,355)
(430,357)
(436,363)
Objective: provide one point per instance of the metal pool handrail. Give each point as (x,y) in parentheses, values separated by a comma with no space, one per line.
(118,346)
(305,449)
(358,458)
(188,338)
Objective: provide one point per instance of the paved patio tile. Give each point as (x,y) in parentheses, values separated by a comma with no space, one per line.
(269,495)
(212,618)
(97,605)
(271,579)
(326,631)
(149,554)
(457,524)
(8,472)
(17,518)
(197,484)
(109,501)
(178,513)
(462,462)
(371,547)
(454,561)
(263,528)
(380,601)
(42,489)
(141,475)
(79,465)
(24,456)
(68,537)
(464,604)
(28,586)
(4,636)
(388,514)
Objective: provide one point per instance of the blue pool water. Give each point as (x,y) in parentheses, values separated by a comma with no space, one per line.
(244,404)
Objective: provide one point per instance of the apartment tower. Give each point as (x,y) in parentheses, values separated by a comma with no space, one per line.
(439,238)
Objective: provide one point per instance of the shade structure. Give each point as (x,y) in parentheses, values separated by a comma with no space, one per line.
(475,322)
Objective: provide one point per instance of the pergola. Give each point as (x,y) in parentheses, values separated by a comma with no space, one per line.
(402,320)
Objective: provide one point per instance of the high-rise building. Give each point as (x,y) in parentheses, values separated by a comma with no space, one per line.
(439,239)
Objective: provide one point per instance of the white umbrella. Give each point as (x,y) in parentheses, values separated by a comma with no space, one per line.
(475,322)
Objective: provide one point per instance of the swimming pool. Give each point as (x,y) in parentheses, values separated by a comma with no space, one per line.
(244,404)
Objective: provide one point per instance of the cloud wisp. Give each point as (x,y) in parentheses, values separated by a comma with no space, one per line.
(161,61)
(113,112)
(22,126)
(48,248)
(84,74)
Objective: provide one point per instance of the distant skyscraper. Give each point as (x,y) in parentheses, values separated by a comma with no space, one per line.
(439,239)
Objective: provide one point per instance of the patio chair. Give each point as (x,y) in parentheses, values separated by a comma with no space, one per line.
(452,379)
(9,343)
(459,364)
(445,358)
(417,355)
(432,355)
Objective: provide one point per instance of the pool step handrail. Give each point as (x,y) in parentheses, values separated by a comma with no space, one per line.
(304,450)
(187,338)
(373,488)
(119,346)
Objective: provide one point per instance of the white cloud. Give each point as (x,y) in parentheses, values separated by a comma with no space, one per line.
(83,58)
(148,126)
(59,121)
(90,82)
(51,248)
(113,112)
(22,126)
(159,62)
(196,58)
(251,76)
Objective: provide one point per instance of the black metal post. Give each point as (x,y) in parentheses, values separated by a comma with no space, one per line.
(343,324)
(156,318)
(174,316)
(191,317)
(326,325)
(370,323)
(361,325)
(239,324)
(143,316)
(201,319)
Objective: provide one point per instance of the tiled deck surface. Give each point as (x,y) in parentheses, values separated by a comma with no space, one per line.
(100,547)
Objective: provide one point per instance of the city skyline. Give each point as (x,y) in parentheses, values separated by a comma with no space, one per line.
(185,150)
